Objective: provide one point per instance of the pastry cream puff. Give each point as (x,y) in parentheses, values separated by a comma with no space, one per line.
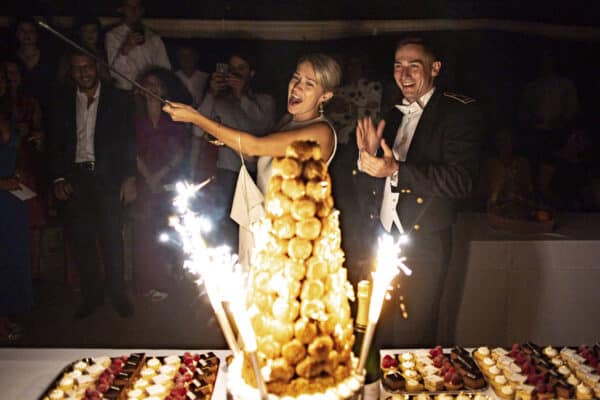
(308,229)
(304,150)
(315,170)
(299,249)
(305,330)
(303,208)
(288,168)
(293,352)
(293,188)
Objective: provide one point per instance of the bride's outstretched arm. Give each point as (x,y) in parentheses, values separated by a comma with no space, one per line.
(273,144)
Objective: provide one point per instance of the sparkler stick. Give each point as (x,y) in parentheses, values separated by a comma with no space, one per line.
(389,263)
(234,280)
(98,59)
(222,277)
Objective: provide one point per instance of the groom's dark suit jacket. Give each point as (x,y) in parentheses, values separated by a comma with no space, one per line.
(441,164)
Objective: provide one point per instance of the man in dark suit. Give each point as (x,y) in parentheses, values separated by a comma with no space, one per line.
(93,165)
(416,165)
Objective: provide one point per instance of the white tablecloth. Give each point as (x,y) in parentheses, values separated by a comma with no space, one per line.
(506,288)
(25,373)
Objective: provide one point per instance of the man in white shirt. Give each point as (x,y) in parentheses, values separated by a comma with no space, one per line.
(231,101)
(131,47)
(192,78)
(417,164)
(92,163)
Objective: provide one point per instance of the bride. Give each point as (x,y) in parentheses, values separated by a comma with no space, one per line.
(311,85)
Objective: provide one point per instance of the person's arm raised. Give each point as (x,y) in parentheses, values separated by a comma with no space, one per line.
(273,145)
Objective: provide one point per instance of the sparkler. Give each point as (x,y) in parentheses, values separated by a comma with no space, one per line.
(389,263)
(221,274)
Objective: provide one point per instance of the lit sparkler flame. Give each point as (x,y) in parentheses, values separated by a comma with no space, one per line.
(389,264)
(220,272)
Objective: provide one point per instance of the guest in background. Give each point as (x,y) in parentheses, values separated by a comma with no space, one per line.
(566,180)
(37,65)
(203,155)
(87,31)
(358,97)
(132,47)
(27,117)
(92,164)
(194,80)
(161,145)
(16,293)
(548,105)
(231,100)
(505,175)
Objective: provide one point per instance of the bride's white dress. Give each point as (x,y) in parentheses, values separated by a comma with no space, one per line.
(248,200)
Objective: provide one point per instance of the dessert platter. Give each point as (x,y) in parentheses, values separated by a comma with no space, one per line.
(528,371)
(431,372)
(137,376)
(298,292)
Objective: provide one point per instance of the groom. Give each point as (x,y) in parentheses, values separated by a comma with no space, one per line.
(416,165)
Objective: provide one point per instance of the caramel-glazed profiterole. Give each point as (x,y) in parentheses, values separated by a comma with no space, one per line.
(298,289)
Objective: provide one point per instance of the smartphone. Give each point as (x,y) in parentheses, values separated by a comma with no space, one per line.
(222,68)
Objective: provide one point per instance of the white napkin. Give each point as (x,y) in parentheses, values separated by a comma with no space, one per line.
(246,209)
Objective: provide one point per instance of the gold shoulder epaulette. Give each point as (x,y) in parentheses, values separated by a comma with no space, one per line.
(459,97)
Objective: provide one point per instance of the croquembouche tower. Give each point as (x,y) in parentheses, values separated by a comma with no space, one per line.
(298,292)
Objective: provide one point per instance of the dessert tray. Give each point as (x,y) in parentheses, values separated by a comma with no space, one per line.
(433,372)
(531,371)
(135,376)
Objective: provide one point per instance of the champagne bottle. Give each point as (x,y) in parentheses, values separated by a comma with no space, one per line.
(372,373)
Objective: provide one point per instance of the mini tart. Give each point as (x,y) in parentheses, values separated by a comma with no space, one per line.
(572,380)
(407,365)
(506,392)
(481,353)
(583,392)
(487,363)
(403,357)
(498,382)
(524,392)
(550,352)
(394,380)
(492,372)
(410,374)
(452,386)
(433,383)
(564,371)
(389,360)
(154,363)
(66,383)
(413,385)
(557,362)
(499,352)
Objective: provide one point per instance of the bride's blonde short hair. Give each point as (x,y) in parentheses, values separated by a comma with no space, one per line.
(328,72)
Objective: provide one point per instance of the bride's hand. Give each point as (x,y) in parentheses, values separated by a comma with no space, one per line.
(180,112)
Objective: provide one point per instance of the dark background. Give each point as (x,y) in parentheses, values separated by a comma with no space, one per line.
(491,66)
(552,11)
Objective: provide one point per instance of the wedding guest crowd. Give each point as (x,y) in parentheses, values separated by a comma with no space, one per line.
(101,154)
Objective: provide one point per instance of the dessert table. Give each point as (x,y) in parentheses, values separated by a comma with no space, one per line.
(26,372)
(507,287)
